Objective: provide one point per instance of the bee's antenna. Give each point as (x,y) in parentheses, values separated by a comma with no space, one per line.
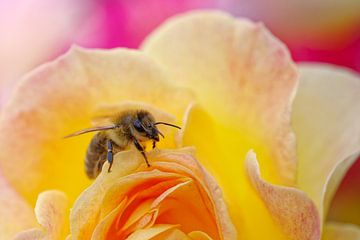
(168,124)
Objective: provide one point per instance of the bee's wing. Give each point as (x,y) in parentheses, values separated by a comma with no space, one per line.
(93,129)
(105,112)
(99,120)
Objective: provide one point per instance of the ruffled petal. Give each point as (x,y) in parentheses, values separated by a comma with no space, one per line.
(175,190)
(326,120)
(243,77)
(15,213)
(295,213)
(59,98)
(151,233)
(51,212)
(85,212)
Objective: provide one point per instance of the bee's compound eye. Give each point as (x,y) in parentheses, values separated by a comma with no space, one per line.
(138,126)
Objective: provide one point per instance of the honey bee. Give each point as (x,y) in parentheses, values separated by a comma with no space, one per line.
(126,128)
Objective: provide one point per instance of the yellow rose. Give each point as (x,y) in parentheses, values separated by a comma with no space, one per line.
(231,85)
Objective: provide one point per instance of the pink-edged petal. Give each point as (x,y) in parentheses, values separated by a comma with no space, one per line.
(243,77)
(51,210)
(326,120)
(15,213)
(31,234)
(294,212)
(61,97)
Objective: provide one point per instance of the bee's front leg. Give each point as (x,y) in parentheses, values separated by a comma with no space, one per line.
(141,149)
(154,144)
(110,154)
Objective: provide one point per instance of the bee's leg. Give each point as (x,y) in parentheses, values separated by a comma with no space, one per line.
(141,149)
(154,144)
(110,153)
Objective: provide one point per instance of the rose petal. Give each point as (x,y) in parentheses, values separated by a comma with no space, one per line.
(242,75)
(15,213)
(341,231)
(172,234)
(59,98)
(166,232)
(196,235)
(160,184)
(185,196)
(31,234)
(103,226)
(176,161)
(51,212)
(245,205)
(84,214)
(326,120)
(150,233)
(106,192)
(291,208)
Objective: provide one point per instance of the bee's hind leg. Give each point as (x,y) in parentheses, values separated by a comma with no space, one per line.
(141,149)
(110,155)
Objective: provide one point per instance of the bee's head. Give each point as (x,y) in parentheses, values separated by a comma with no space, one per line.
(145,128)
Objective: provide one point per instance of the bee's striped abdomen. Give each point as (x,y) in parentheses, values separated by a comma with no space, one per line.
(95,155)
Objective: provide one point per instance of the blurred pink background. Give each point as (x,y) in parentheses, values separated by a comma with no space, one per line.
(35,31)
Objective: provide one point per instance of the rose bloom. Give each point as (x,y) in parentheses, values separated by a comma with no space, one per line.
(243,105)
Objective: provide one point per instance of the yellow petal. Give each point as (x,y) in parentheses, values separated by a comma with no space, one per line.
(15,213)
(242,75)
(59,98)
(51,212)
(290,207)
(341,231)
(245,83)
(224,160)
(326,120)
